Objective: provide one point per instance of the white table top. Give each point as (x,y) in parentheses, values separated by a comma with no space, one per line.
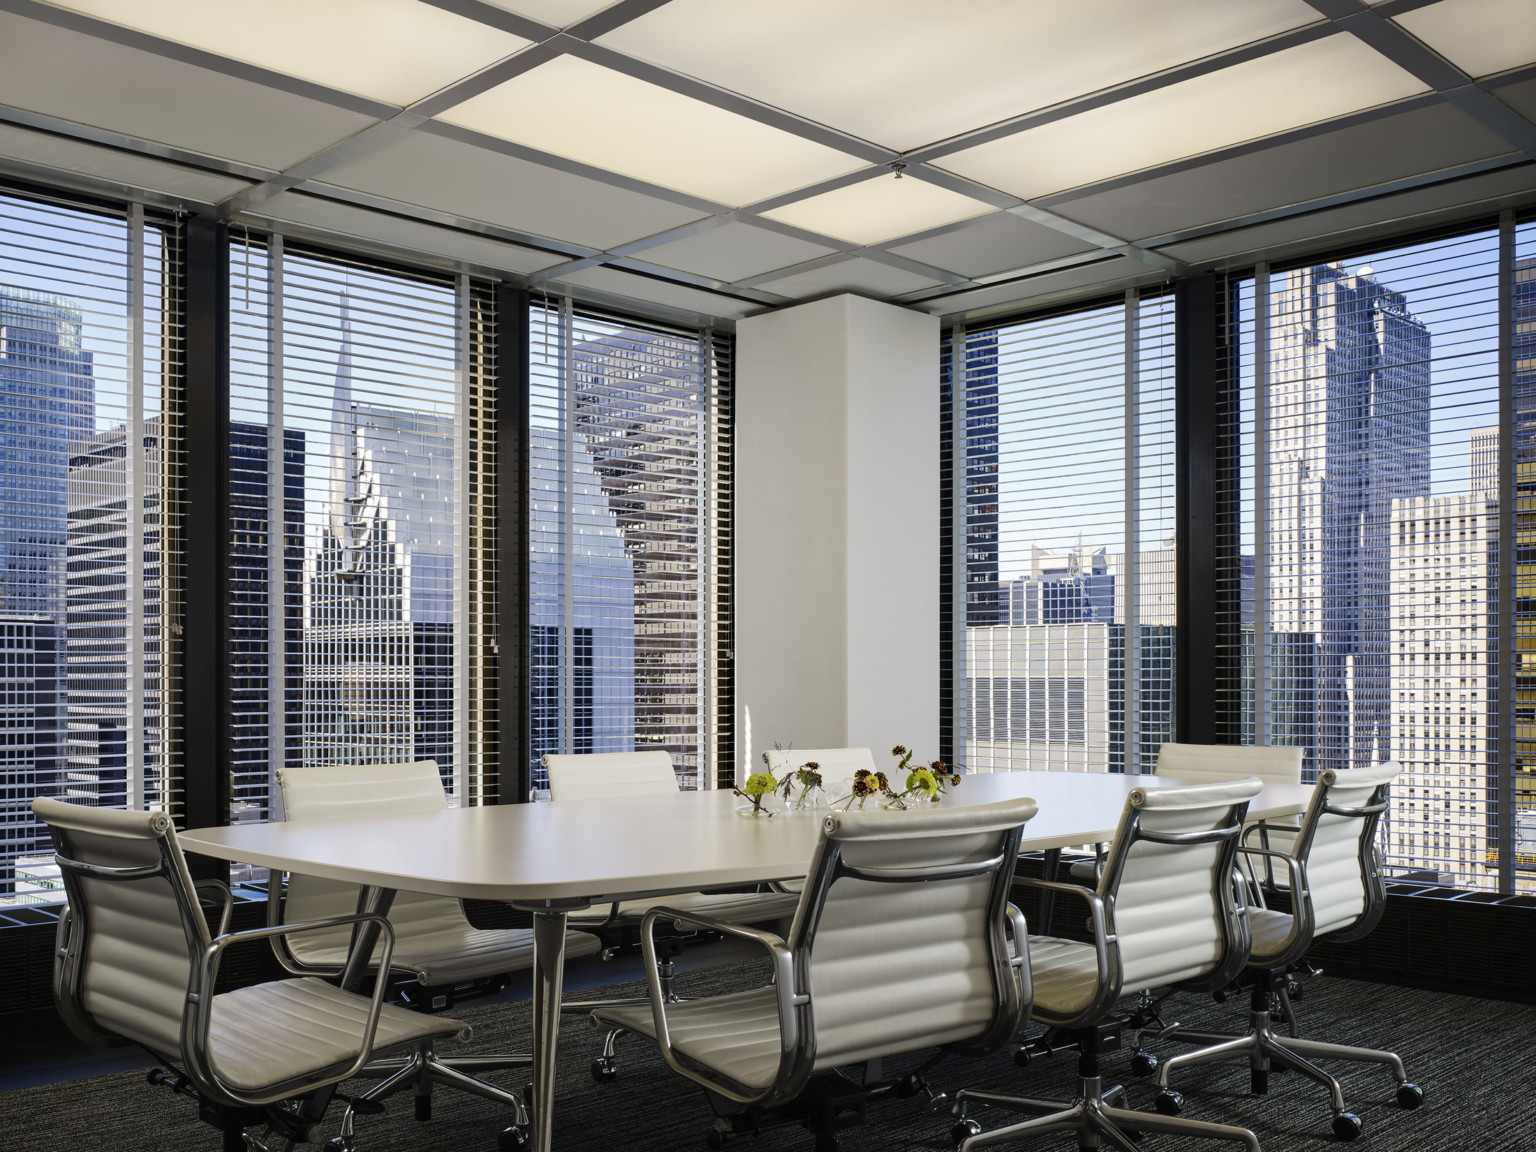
(637,846)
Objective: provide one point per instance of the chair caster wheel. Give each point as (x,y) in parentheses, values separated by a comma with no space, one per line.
(938,1102)
(964,1130)
(1346,1126)
(1143,1064)
(1409,1096)
(512,1139)
(1021,1058)
(604,1070)
(716,1138)
(423,1107)
(1258,1081)
(1169,1102)
(608,953)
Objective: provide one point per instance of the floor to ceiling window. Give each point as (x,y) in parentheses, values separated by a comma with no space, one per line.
(359,435)
(1064,524)
(629,621)
(89,446)
(1374,480)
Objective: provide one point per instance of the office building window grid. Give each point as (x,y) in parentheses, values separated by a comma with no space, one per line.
(1367,457)
(630,543)
(1067,502)
(89,445)
(360,572)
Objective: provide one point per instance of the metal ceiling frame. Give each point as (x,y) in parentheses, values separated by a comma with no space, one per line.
(1371,24)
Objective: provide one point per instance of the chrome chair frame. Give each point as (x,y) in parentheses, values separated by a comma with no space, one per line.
(1092,1114)
(1261,1045)
(792,969)
(230,1108)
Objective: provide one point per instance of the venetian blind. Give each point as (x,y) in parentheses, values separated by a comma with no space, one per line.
(89,560)
(629,645)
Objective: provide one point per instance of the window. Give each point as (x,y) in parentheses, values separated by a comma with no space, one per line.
(1065,523)
(89,448)
(630,619)
(1366,438)
(359,458)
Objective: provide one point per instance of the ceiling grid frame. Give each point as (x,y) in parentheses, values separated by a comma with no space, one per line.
(1371,24)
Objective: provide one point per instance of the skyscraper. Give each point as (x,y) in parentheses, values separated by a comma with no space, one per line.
(47,399)
(1345,346)
(1523,341)
(379,593)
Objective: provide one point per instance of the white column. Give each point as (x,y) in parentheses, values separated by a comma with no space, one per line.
(837,526)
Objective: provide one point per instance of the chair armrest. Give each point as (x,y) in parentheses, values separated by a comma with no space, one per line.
(1293,866)
(1099,918)
(786,995)
(1020,959)
(226,901)
(198,1015)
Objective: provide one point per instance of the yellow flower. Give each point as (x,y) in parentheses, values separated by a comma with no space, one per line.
(922,783)
(759,784)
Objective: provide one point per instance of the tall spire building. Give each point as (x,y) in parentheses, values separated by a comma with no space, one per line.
(1345,346)
(379,603)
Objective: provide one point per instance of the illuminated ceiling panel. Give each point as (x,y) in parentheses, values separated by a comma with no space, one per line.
(392,50)
(556,13)
(908,72)
(879,209)
(1303,85)
(1480,37)
(586,112)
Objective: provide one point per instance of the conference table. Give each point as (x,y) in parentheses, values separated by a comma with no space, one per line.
(554,858)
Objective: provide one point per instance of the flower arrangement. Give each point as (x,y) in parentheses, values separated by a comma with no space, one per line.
(922,784)
(808,778)
(758,787)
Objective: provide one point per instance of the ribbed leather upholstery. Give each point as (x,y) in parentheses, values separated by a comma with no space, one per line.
(137,969)
(433,938)
(1065,974)
(614,775)
(1334,877)
(738,1034)
(892,966)
(269,1033)
(138,965)
(1167,913)
(608,775)
(1198,763)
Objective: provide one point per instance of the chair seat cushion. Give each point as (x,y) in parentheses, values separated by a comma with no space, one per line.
(737,1035)
(1271,934)
(268,1033)
(1065,974)
(732,907)
(452,952)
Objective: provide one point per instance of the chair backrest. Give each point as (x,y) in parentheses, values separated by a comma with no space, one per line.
(1198,763)
(609,775)
(1168,885)
(360,791)
(132,929)
(837,765)
(898,936)
(1337,847)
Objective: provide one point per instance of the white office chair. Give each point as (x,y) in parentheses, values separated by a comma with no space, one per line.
(434,941)
(578,777)
(136,959)
(898,944)
(1335,889)
(1165,911)
(1201,763)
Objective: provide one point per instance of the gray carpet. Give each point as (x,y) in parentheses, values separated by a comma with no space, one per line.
(1472,1058)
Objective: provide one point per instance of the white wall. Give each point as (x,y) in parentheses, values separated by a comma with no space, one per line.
(837,526)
